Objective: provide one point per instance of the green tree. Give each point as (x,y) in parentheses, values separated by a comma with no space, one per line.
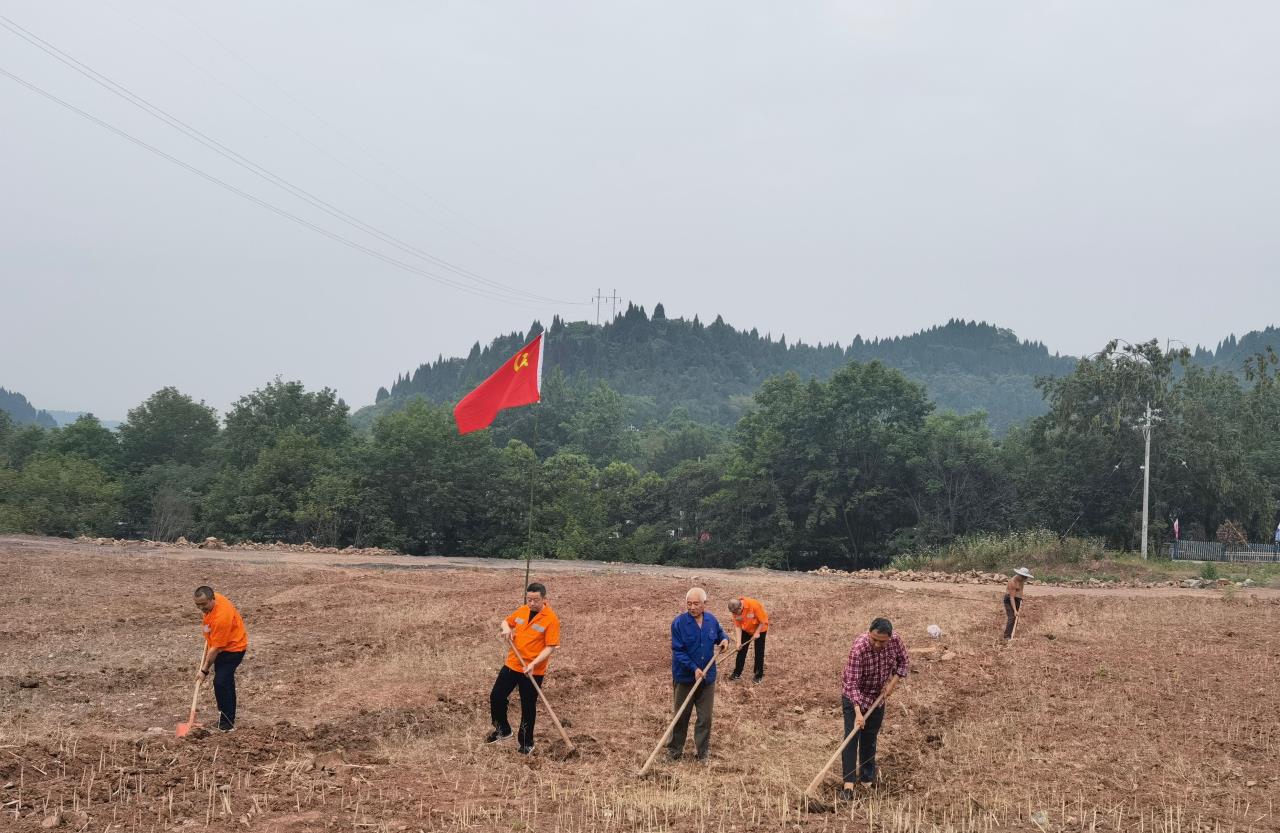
(836,456)
(24,442)
(58,494)
(1204,465)
(263,501)
(1084,457)
(163,501)
(959,482)
(169,427)
(87,439)
(569,519)
(665,446)
(256,421)
(599,430)
(435,490)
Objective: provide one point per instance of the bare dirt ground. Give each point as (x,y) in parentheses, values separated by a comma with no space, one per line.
(364,701)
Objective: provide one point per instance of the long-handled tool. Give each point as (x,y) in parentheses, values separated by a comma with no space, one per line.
(572,750)
(672,725)
(184,728)
(817,779)
(1017,611)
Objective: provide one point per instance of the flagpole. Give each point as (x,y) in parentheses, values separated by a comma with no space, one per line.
(533,473)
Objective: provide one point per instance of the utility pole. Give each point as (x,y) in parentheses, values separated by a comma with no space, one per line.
(1145,427)
(614,304)
(598,298)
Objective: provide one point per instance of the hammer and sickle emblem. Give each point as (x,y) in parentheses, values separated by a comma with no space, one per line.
(522,361)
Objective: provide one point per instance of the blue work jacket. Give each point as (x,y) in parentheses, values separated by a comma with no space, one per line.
(692,647)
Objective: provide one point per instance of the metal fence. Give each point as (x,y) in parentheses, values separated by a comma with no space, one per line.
(1217,551)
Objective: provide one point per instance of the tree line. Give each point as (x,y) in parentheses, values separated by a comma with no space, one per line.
(846,472)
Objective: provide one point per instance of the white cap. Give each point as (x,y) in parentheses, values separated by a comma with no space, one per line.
(1024,572)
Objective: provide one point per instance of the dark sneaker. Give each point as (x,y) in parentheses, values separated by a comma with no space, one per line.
(733,677)
(674,756)
(495,736)
(759,678)
(845,794)
(526,750)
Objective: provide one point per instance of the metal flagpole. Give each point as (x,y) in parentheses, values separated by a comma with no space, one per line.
(533,473)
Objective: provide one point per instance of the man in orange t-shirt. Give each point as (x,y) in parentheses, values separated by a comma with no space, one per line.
(535,630)
(225,641)
(752,620)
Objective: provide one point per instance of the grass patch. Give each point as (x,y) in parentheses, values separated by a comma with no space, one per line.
(1003,552)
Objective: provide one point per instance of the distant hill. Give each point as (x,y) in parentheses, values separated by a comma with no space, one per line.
(1231,352)
(23,412)
(64,418)
(711,370)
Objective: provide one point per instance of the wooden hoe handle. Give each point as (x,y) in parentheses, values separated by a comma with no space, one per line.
(672,725)
(817,779)
(550,712)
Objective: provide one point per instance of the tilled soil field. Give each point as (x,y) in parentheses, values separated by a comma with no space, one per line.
(364,701)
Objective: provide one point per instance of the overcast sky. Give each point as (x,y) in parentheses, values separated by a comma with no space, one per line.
(1071,170)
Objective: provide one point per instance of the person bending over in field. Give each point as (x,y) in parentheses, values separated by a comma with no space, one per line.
(877,660)
(535,630)
(225,641)
(752,621)
(1013,598)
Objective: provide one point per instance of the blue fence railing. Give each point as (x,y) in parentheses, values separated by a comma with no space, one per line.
(1217,551)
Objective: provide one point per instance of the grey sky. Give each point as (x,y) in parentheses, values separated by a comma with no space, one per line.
(1071,170)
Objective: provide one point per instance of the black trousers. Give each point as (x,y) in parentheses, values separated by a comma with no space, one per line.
(860,754)
(224,686)
(507,682)
(1010,614)
(741,660)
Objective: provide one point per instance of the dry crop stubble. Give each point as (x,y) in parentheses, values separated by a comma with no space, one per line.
(1148,714)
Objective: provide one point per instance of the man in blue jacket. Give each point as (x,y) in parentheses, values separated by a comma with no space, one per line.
(695,636)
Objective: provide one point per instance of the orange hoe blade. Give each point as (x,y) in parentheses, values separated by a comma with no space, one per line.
(185,728)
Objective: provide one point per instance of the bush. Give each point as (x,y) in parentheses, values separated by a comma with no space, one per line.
(1002,552)
(60,495)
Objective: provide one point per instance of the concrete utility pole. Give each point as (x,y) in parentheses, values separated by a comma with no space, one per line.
(1146,474)
(599,297)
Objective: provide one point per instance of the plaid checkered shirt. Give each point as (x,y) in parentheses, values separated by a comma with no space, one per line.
(867,670)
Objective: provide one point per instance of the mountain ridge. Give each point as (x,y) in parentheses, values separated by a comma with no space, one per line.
(712,370)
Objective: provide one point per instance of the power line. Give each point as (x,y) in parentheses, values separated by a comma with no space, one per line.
(478,291)
(254,168)
(337,130)
(403,179)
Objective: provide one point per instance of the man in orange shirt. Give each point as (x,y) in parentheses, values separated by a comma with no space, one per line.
(225,642)
(752,620)
(535,630)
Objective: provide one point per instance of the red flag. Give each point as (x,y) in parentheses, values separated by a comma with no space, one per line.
(517,382)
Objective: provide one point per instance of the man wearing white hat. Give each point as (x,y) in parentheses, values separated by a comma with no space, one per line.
(1013,598)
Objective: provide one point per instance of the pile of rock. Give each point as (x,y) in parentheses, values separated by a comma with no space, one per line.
(980,577)
(212,543)
(966,577)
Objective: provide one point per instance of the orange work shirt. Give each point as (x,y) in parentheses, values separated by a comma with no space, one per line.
(223,627)
(752,617)
(531,634)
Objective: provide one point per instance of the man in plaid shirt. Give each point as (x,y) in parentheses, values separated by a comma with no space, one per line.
(877,661)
